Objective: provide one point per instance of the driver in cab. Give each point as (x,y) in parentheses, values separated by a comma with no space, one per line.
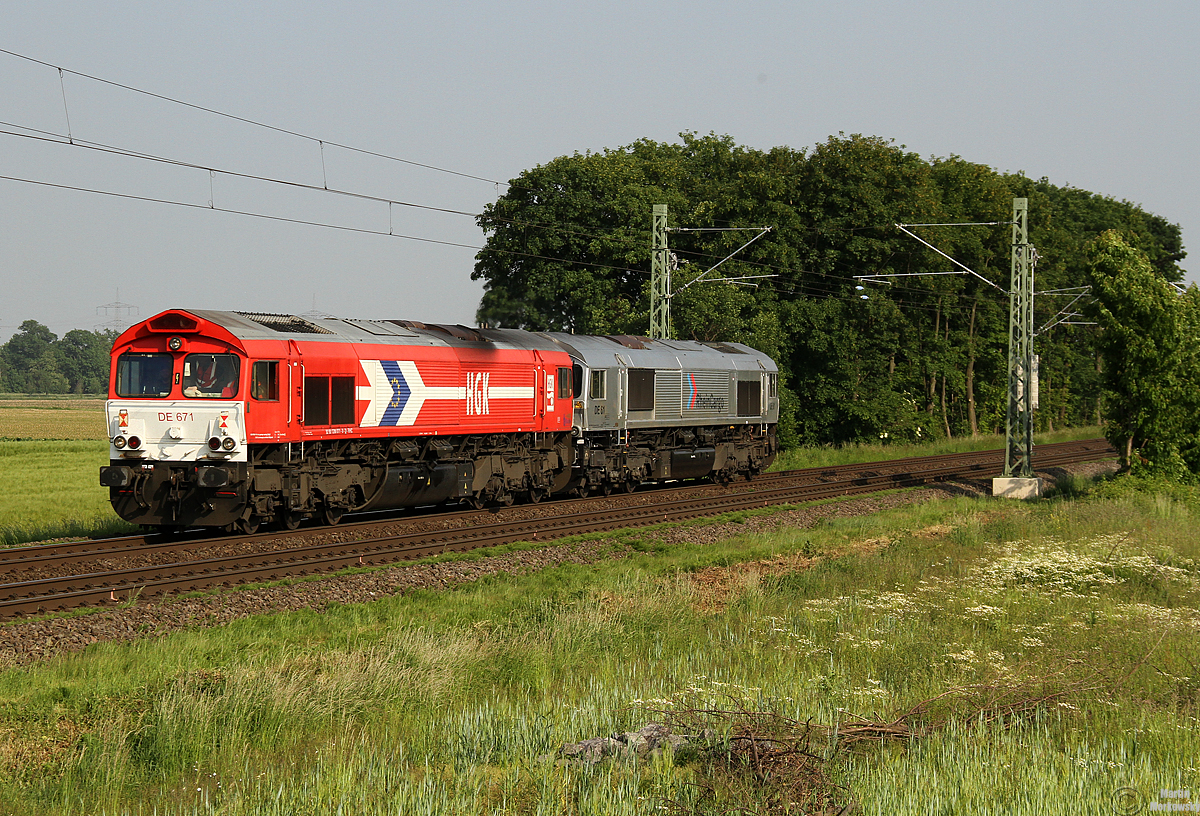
(206,376)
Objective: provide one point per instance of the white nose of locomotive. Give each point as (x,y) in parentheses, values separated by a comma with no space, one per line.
(177,431)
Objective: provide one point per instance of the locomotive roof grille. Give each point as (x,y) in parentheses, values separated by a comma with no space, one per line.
(628,341)
(454,330)
(725,347)
(285,323)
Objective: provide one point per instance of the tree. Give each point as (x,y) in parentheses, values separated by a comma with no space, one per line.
(568,249)
(30,363)
(1148,340)
(36,361)
(84,359)
(568,243)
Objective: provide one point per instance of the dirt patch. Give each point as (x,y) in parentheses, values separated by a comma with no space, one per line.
(714,585)
(24,749)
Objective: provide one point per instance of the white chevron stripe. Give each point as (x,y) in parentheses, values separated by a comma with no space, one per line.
(378,393)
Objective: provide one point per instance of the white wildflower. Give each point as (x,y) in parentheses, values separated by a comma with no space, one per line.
(985,611)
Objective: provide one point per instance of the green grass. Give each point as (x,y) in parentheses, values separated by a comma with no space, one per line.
(449,702)
(831,456)
(51,451)
(52,490)
(57,417)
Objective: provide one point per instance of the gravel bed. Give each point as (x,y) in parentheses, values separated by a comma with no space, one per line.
(23,642)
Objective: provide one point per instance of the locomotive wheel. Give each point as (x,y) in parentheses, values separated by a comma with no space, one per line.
(333,515)
(289,520)
(477,501)
(606,489)
(630,485)
(507,499)
(535,495)
(250,525)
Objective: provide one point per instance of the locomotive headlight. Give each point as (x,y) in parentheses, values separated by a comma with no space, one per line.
(119,442)
(214,443)
(229,443)
(175,343)
(135,442)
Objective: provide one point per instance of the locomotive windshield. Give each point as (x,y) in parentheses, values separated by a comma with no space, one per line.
(143,375)
(210,375)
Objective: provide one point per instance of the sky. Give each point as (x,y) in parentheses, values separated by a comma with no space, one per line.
(438,104)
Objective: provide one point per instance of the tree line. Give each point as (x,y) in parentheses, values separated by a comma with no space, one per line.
(924,355)
(35,360)
(1148,339)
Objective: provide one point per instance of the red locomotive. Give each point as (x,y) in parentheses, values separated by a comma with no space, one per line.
(233,419)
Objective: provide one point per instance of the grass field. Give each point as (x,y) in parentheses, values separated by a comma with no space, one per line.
(51,451)
(831,456)
(1027,658)
(65,418)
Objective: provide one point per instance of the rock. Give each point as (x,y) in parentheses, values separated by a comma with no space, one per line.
(647,742)
(593,750)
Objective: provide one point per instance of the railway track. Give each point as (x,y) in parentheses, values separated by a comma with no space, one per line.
(82,574)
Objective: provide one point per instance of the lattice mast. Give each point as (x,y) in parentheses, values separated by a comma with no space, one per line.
(1018,434)
(660,276)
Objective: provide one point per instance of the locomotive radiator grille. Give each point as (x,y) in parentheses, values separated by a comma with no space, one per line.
(705,393)
(668,399)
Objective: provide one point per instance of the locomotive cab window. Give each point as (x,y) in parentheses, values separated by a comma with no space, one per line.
(564,383)
(143,375)
(264,381)
(210,375)
(576,380)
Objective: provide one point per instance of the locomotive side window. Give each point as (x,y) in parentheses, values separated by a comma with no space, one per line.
(143,375)
(264,381)
(598,388)
(316,400)
(772,385)
(749,397)
(210,375)
(641,389)
(564,383)
(342,402)
(328,400)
